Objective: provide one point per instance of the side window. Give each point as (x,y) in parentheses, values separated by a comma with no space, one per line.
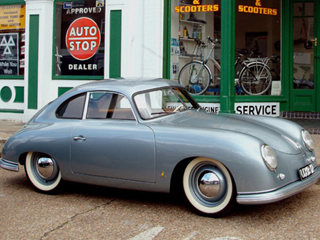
(72,108)
(104,105)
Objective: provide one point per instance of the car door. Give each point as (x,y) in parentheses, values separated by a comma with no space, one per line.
(109,142)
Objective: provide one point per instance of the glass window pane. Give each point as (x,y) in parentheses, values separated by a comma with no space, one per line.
(257,43)
(99,104)
(303,45)
(309,9)
(73,108)
(104,105)
(191,23)
(298,9)
(79,38)
(12,40)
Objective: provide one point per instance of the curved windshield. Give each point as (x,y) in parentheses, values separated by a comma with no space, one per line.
(161,102)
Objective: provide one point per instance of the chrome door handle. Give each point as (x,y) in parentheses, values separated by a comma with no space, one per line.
(79,138)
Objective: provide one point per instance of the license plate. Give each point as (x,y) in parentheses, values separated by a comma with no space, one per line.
(306,171)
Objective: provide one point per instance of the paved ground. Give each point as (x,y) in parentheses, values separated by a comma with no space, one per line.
(88,212)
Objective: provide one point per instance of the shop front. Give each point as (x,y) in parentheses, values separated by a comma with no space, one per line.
(263,57)
(261,60)
(50,46)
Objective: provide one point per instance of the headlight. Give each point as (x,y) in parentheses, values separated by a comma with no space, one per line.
(269,157)
(307,139)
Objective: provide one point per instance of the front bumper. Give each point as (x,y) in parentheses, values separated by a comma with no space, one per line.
(8,165)
(281,193)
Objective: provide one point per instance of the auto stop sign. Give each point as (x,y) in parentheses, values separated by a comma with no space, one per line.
(83,38)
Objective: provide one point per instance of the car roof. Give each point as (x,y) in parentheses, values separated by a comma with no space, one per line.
(127,86)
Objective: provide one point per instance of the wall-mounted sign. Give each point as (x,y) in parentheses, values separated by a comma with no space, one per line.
(258,9)
(196,7)
(83,38)
(12,17)
(9,54)
(271,109)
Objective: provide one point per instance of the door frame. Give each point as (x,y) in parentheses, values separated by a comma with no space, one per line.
(310,101)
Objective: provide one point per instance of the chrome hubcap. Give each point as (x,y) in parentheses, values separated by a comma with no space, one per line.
(46,167)
(209,185)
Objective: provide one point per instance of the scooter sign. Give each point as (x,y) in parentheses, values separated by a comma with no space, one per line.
(83,38)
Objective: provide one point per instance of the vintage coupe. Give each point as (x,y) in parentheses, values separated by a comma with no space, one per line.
(151,135)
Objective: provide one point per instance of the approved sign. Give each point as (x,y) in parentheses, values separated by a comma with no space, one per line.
(83,38)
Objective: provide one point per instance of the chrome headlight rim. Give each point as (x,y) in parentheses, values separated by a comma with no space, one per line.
(269,157)
(307,139)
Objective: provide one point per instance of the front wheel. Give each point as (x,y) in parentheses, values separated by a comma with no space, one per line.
(195,77)
(209,187)
(43,172)
(255,79)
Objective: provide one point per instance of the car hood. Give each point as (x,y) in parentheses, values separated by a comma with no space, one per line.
(272,131)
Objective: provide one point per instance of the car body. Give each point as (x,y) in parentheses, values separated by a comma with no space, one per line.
(150,135)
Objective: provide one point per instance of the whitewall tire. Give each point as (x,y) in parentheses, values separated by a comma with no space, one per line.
(209,187)
(43,172)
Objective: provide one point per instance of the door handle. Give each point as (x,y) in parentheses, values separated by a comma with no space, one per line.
(79,138)
(315,40)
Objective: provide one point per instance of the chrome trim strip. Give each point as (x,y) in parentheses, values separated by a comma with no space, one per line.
(8,165)
(281,193)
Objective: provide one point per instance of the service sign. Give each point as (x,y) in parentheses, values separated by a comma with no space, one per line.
(9,54)
(12,17)
(271,109)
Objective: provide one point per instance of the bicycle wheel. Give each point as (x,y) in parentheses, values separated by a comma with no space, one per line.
(195,77)
(255,79)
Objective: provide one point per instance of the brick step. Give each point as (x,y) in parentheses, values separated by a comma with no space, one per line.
(300,115)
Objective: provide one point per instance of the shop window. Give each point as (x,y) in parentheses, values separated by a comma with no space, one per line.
(257,43)
(192,22)
(79,38)
(12,40)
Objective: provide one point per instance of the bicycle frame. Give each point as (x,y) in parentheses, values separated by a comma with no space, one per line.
(205,61)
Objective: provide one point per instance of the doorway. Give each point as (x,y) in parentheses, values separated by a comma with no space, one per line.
(305,82)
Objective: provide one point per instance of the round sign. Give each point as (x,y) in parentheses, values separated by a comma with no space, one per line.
(83,38)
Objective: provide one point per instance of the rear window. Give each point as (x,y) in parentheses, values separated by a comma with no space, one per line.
(72,108)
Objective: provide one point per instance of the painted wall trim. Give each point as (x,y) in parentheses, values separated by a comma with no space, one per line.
(33,58)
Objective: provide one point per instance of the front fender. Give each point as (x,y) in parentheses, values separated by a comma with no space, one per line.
(239,152)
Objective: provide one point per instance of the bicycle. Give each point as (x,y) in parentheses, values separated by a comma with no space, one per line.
(254,77)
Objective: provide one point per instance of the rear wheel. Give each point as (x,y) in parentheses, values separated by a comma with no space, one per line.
(43,172)
(195,77)
(256,79)
(208,186)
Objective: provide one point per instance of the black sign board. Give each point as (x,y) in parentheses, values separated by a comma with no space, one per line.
(9,53)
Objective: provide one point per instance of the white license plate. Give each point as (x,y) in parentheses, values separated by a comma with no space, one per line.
(306,171)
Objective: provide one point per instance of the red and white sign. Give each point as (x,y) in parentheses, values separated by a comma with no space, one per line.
(83,38)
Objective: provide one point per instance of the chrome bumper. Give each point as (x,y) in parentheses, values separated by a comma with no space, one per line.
(281,193)
(12,166)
